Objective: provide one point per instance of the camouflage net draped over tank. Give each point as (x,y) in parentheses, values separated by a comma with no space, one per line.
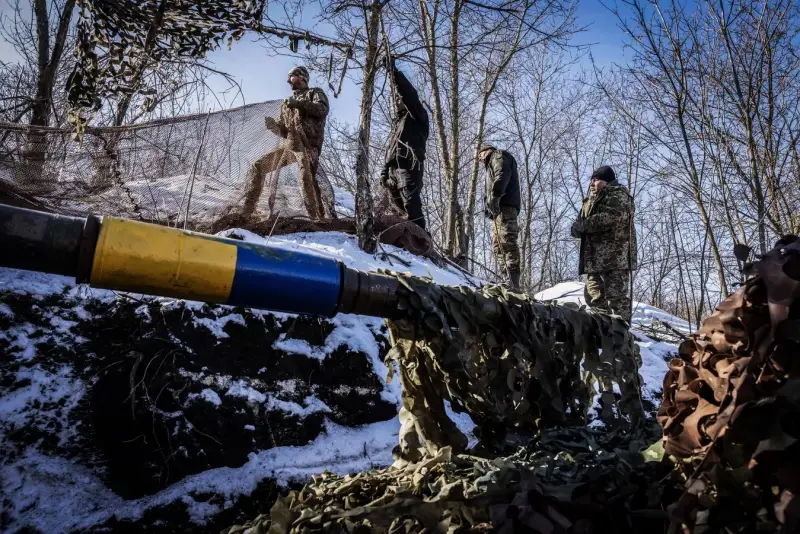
(511,363)
(731,423)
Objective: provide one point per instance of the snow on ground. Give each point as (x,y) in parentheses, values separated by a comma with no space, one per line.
(345,202)
(53,494)
(655,354)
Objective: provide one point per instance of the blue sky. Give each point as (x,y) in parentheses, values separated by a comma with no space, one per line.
(263,77)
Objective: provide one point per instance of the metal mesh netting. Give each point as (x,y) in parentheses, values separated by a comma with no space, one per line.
(190,170)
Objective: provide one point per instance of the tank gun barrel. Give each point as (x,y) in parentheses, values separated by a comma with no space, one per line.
(138,257)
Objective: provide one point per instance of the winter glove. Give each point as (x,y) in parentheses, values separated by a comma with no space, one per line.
(387,61)
(272,126)
(493,208)
(577,229)
(386,181)
(292,103)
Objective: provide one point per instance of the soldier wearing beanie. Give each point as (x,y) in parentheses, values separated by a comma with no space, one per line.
(502,207)
(608,243)
(608,256)
(301,122)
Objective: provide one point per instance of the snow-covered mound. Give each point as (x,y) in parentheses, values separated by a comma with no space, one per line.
(655,354)
(126,411)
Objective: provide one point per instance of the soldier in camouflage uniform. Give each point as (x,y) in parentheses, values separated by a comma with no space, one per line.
(608,244)
(502,206)
(301,123)
(608,256)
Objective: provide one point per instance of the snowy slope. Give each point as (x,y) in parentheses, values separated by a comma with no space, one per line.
(45,490)
(655,354)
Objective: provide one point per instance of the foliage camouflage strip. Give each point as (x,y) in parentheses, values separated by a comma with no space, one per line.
(119,40)
(511,363)
(731,406)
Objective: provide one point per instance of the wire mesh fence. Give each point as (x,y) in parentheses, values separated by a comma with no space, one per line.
(190,171)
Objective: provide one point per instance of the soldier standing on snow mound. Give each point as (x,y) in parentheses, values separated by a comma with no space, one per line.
(301,123)
(608,244)
(502,206)
(405,153)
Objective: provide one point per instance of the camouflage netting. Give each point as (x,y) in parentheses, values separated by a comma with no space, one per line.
(191,169)
(730,416)
(511,363)
(731,408)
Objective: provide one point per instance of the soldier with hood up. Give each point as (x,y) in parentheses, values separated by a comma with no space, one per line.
(608,243)
(405,153)
(301,122)
(502,207)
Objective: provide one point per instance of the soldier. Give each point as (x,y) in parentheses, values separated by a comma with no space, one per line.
(405,153)
(301,123)
(608,255)
(502,206)
(608,244)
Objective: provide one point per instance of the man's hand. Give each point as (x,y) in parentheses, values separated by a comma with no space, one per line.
(493,209)
(292,103)
(386,181)
(272,126)
(577,228)
(387,61)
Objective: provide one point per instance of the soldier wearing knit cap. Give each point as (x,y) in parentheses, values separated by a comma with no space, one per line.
(608,256)
(301,122)
(608,243)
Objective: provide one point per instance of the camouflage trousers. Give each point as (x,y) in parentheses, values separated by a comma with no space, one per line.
(609,292)
(505,231)
(308,163)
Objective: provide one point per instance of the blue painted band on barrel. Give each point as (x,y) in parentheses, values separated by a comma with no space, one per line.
(282,280)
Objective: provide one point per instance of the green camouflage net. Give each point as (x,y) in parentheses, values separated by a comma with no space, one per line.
(511,363)
(569,480)
(730,415)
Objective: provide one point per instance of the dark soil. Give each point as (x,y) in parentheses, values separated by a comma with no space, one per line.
(141,425)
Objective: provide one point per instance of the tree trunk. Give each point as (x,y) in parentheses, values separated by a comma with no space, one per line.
(365,227)
(473,179)
(31,172)
(454,208)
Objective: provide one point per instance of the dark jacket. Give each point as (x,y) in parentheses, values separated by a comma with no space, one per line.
(502,181)
(409,135)
(608,242)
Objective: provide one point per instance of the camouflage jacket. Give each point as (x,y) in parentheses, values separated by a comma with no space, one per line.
(608,242)
(502,181)
(305,124)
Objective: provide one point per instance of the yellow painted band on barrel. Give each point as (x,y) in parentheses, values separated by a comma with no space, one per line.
(156,260)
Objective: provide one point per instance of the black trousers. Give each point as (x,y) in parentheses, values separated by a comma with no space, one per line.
(405,187)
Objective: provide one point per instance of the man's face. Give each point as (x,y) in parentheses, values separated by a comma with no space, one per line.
(297,82)
(483,154)
(597,185)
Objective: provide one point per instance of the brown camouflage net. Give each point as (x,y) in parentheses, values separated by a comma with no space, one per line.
(731,408)
(189,170)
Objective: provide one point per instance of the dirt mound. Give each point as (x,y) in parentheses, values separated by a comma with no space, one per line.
(391,229)
(143,394)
